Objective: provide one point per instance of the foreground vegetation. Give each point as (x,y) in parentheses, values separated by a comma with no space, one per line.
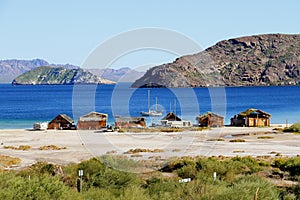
(294,128)
(237,178)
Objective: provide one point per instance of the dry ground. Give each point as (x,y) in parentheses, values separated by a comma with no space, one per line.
(81,145)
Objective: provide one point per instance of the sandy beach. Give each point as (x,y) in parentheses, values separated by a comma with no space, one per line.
(81,145)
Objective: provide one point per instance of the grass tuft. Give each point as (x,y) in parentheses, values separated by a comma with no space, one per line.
(21,147)
(51,147)
(237,140)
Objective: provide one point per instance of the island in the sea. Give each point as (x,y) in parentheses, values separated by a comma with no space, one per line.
(48,75)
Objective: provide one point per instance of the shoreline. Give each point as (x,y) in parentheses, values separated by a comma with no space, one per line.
(77,146)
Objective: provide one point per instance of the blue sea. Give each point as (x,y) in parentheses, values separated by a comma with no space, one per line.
(21,106)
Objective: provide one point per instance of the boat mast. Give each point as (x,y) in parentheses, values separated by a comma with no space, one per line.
(149,101)
(175,106)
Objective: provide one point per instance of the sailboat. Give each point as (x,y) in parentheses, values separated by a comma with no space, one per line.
(151,112)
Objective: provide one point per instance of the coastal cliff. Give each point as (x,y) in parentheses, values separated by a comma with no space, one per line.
(260,60)
(47,75)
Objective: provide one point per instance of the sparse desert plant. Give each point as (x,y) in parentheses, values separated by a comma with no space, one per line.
(237,140)
(136,155)
(176,150)
(169,130)
(111,152)
(265,137)
(157,151)
(140,150)
(51,147)
(8,161)
(216,139)
(21,147)
(238,151)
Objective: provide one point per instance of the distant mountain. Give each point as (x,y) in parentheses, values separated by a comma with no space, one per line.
(260,60)
(124,74)
(48,75)
(10,69)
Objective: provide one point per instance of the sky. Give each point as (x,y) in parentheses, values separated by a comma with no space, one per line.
(65,31)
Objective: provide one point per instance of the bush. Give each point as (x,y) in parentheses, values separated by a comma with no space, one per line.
(291,165)
(246,188)
(294,128)
(252,164)
(159,188)
(45,187)
(90,168)
(113,179)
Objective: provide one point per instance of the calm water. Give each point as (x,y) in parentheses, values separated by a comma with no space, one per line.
(21,106)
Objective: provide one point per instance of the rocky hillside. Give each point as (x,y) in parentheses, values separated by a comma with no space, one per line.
(261,60)
(9,69)
(58,75)
(124,74)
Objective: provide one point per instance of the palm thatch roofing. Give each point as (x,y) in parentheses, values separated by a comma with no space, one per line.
(253,111)
(93,116)
(171,117)
(209,113)
(63,116)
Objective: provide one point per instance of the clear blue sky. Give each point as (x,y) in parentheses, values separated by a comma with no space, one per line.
(67,31)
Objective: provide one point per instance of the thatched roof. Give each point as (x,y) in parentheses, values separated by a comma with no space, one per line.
(207,114)
(253,111)
(93,116)
(171,117)
(63,116)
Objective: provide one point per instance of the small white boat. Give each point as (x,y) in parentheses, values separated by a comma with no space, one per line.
(40,126)
(154,113)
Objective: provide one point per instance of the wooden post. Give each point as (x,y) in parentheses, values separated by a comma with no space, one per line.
(256,194)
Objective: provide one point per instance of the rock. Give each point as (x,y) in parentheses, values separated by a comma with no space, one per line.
(261,60)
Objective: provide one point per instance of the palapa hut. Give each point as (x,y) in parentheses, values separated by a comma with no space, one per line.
(172,120)
(92,121)
(251,118)
(171,117)
(61,121)
(126,122)
(210,119)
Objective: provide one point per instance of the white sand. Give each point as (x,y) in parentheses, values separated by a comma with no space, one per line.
(81,145)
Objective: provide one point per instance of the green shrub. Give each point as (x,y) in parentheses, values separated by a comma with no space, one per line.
(294,128)
(44,187)
(291,165)
(252,164)
(178,163)
(246,187)
(187,171)
(109,178)
(159,188)
(90,168)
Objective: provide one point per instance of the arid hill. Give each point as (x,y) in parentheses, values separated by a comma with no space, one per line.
(260,60)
